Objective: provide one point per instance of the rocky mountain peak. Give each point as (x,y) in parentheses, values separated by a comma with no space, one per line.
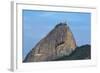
(59,42)
(62,24)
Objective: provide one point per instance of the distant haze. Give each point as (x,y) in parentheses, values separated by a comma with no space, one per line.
(37,24)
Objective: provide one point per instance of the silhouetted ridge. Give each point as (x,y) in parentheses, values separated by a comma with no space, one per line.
(82,52)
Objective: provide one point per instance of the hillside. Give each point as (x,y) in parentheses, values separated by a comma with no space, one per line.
(82,52)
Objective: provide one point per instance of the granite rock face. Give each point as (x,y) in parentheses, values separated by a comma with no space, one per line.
(59,42)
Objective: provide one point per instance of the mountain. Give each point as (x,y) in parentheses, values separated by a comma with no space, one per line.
(80,53)
(57,43)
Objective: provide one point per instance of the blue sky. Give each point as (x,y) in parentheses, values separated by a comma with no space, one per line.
(37,24)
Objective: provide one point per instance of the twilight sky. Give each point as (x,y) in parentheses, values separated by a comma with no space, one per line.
(37,24)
